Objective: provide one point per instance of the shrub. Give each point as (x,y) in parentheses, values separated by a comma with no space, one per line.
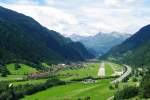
(4,71)
(145,86)
(126,93)
(17,66)
(134,79)
(111,87)
(116,85)
(88,98)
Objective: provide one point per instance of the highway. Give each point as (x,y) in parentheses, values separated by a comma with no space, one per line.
(128,72)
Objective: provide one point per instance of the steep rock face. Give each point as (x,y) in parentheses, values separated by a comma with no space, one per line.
(22,38)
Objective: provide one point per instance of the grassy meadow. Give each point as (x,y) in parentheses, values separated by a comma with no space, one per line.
(71,91)
(99,90)
(108,70)
(88,70)
(24,69)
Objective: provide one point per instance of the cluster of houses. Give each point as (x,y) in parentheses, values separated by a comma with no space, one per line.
(55,68)
(37,75)
(71,66)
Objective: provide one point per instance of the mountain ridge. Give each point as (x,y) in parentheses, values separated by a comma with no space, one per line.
(100,43)
(26,39)
(134,50)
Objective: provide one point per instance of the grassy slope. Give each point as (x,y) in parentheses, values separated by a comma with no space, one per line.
(73,91)
(25,69)
(17,74)
(11,77)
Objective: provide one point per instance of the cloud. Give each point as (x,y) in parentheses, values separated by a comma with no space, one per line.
(20,1)
(50,17)
(26,2)
(49,2)
(124,20)
(86,17)
(112,2)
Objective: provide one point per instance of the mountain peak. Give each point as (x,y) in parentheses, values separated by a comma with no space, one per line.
(101,42)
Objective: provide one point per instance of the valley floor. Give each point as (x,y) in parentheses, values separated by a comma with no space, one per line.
(84,82)
(96,91)
(80,90)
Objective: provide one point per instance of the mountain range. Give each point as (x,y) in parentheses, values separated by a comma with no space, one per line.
(23,38)
(134,50)
(101,43)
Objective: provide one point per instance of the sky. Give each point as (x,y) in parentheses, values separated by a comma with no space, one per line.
(85,17)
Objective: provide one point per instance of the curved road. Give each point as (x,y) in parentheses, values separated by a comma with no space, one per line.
(128,72)
(119,79)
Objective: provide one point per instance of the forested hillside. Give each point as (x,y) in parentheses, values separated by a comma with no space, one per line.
(135,50)
(22,38)
(139,57)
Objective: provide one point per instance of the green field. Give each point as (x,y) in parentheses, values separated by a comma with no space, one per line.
(19,73)
(89,70)
(108,70)
(11,77)
(25,69)
(73,91)
(38,81)
(116,66)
